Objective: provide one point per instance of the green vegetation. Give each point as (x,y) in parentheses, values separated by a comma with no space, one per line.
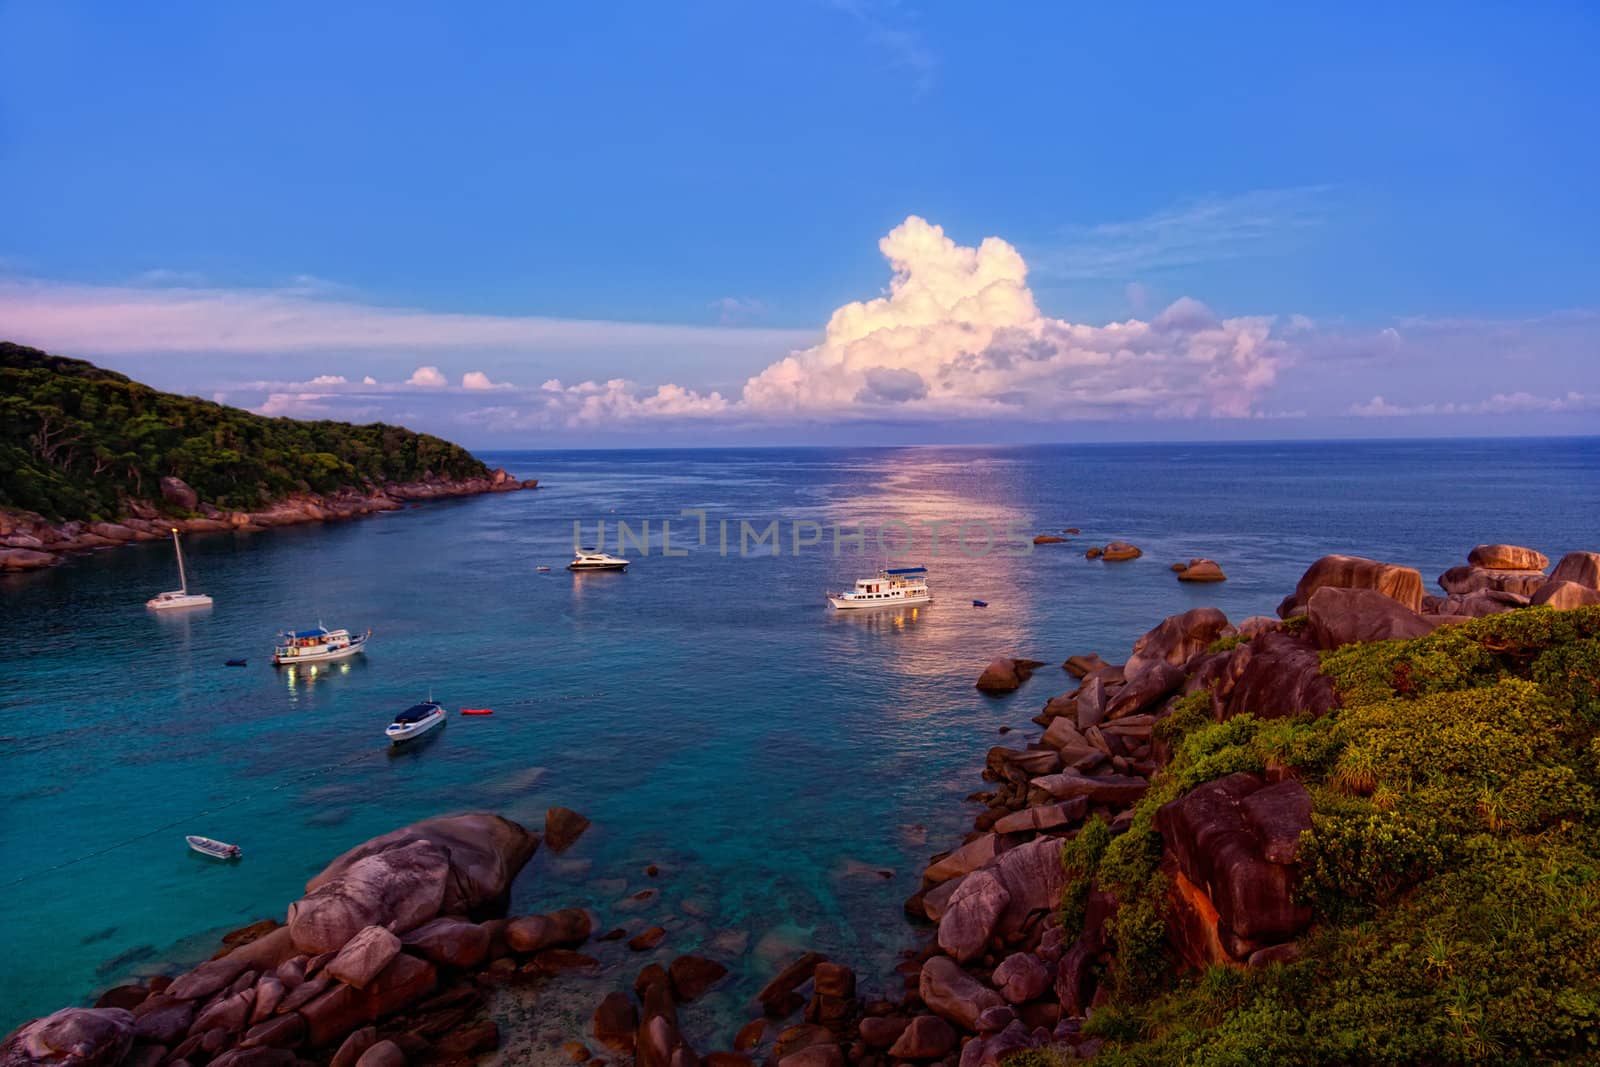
(1453,866)
(1226,644)
(79,442)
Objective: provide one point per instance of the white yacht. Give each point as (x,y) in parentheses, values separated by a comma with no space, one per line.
(317,646)
(891,588)
(180,597)
(415,720)
(596,561)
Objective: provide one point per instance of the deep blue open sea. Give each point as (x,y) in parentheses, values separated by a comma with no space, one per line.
(709,712)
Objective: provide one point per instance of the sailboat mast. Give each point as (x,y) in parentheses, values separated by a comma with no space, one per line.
(183,579)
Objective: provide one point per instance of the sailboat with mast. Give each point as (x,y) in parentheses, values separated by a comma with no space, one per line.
(180,597)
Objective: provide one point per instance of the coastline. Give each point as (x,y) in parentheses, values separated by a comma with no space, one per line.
(1004,971)
(29,541)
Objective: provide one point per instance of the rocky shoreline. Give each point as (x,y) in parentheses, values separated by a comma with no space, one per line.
(391,956)
(29,541)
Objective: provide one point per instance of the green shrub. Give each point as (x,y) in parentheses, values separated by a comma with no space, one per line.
(1453,865)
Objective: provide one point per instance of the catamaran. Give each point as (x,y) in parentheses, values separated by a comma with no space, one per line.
(316,646)
(180,597)
(891,588)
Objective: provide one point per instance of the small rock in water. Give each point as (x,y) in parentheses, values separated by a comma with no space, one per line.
(563,827)
(647,939)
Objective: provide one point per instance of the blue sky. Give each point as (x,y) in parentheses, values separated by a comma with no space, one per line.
(1225,220)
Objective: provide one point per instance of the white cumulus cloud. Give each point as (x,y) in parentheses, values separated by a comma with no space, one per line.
(428,378)
(476,379)
(959,334)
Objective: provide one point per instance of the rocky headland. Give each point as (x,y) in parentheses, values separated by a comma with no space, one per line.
(1263,840)
(29,541)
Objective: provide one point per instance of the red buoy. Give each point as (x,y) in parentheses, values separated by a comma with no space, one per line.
(477,711)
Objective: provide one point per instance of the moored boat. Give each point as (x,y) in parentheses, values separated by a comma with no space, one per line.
(597,561)
(179,597)
(217,850)
(891,588)
(416,720)
(317,646)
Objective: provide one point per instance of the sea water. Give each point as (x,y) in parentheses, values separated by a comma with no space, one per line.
(788,768)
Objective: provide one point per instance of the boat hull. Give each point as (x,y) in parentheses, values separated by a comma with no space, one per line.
(414,730)
(210,849)
(845,603)
(357,644)
(581,567)
(174,603)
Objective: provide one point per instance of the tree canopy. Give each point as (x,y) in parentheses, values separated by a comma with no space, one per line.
(81,442)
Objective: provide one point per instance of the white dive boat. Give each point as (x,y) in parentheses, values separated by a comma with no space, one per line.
(215,849)
(317,646)
(596,561)
(891,588)
(180,597)
(415,720)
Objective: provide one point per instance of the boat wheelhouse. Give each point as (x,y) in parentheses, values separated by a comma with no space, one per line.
(891,588)
(317,646)
(415,720)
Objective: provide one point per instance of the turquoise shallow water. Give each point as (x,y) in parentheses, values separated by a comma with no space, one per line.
(708,712)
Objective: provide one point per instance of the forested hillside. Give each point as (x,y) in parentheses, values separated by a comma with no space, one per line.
(79,442)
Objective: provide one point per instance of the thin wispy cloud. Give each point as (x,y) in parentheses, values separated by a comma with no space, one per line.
(1519,403)
(95,319)
(887,27)
(1197,231)
(733,310)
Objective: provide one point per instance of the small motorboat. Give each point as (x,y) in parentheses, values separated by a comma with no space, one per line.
(597,561)
(980,603)
(217,850)
(236,663)
(542,570)
(416,720)
(477,711)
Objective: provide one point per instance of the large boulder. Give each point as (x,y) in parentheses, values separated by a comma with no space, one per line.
(562,827)
(1402,584)
(1580,567)
(1004,674)
(450,941)
(1508,558)
(176,492)
(1176,639)
(1345,616)
(1566,595)
(966,859)
(953,994)
(1202,570)
(364,955)
(1144,690)
(467,861)
(72,1037)
(402,887)
(1276,675)
(1116,790)
(1236,839)
(566,928)
(928,1037)
(1021,886)
(1471,579)
(1118,551)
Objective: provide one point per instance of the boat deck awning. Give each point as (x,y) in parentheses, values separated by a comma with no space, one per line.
(908,570)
